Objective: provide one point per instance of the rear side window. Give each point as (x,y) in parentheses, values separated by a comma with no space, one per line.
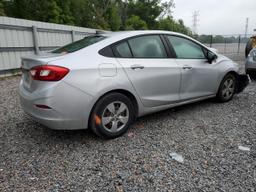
(122,50)
(186,49)
(107,52)
(149,46)
(77,45)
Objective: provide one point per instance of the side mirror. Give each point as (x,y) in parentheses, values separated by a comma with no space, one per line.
(211,57)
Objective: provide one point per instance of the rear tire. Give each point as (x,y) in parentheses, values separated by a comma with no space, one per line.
(112,115)
(227,88)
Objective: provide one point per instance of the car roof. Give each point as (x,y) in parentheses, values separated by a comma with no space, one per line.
(114,37)
(137,32)
(120,35)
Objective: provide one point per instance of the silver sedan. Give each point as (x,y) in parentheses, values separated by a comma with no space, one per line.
(105,81)
(250,64)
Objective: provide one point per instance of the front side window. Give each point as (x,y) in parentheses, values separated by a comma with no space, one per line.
(186,49)
(149,46)
(77,45)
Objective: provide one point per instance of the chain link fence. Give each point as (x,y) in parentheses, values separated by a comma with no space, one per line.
(232,46)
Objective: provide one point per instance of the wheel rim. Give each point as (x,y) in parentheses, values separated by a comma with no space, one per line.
(115,116)
(228,88)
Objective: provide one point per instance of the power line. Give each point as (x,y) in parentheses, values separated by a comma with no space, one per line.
(195,17)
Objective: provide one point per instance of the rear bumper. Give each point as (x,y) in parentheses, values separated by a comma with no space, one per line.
(242,82)
(51,119)
(70,109)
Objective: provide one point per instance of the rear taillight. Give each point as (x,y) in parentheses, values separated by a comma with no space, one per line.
(48,73)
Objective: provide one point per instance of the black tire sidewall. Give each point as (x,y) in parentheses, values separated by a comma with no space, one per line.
(219,95)
(100,107)
(252,74)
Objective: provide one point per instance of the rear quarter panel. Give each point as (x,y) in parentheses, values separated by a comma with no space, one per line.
(96,75)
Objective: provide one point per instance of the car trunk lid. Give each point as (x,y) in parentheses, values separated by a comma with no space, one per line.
(29,62)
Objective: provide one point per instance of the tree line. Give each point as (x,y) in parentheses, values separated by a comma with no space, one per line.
(208,39)
(111,15)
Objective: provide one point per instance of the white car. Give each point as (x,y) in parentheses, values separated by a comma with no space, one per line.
(106,81)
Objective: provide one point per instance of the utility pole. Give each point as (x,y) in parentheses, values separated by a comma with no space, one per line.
(195,22)
(246,27)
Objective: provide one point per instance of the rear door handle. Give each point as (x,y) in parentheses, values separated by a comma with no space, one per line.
(134,67)
(187,67)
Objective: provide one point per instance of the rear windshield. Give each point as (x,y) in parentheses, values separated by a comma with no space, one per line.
(77,45)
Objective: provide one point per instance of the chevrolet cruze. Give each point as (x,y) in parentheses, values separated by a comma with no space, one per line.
(105,81)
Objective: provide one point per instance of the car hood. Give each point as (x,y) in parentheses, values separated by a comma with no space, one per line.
(223,58)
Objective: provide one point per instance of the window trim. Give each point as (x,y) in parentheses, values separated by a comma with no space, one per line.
(173,51)
(170,54)
(127,41)
(167,45)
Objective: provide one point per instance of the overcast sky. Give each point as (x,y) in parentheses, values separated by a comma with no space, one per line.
(218,16)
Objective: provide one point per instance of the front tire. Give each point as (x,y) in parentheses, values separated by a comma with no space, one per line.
(227,88)
(252,74)
(112,115)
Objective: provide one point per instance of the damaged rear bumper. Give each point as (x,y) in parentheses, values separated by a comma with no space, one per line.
(242,81)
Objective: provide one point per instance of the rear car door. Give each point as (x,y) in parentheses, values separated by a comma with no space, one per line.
(199,77)
(154,75)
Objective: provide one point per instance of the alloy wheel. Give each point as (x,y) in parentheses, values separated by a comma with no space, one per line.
(228,88)
(115,116)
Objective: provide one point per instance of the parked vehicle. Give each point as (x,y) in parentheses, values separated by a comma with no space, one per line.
(106,81)
(250,64)
(250,45)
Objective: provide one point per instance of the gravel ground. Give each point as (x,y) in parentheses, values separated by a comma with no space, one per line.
(207,134)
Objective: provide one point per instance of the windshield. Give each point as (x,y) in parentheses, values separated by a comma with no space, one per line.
(77,45)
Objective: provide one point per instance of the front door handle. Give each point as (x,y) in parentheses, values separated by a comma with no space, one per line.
(134,67)
(187,67)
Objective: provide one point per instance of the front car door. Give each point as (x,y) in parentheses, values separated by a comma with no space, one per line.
(154,75)
(199,77)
